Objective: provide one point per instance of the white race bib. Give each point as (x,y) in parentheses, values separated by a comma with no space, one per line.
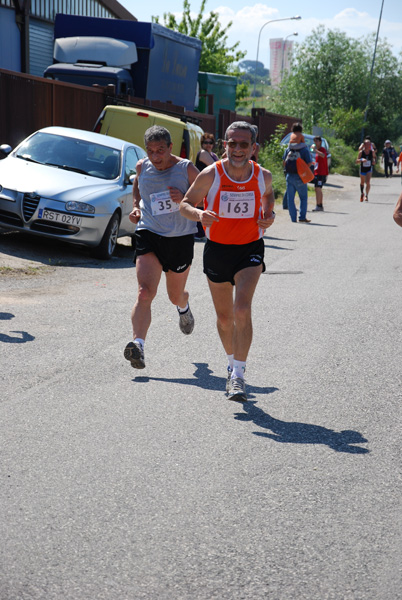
(367,163)
(237,205)
(162,204)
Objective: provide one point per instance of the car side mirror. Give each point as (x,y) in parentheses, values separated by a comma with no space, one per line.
(5,150)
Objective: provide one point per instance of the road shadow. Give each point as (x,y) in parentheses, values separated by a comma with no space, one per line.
(334,212)
(273,247)
(382,203)
(319,225)
(8,339)
(283,272)
(276,239)
(204,379)
(301,433)
(56,253)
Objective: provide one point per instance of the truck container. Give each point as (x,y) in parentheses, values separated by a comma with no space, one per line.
(141,59)
(220,89)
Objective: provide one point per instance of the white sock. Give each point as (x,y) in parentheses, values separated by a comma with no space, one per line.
(239,368)
(230,362)
(183,310)
(140,341)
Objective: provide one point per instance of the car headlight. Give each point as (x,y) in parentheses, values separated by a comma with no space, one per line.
(81,207)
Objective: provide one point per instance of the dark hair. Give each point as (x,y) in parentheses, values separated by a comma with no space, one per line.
(156,133)
(297,127)
(318,137)
(242,125)
(207,136)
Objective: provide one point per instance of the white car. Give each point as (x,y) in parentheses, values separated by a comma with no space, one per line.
(71,185)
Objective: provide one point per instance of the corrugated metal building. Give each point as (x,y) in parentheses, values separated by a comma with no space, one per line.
(26,29)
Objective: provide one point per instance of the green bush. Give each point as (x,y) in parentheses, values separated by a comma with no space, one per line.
(343,158)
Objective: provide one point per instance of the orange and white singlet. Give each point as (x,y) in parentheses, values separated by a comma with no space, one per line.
(238,205)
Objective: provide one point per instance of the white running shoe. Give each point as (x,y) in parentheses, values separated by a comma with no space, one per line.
(237,389)
(186,321)
(135,354)
(228,379)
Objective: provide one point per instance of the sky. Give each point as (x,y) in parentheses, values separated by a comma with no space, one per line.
(356,19)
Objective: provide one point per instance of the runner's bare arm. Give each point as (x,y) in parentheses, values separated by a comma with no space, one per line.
(175,194)
(398,212)
(359,156)
(195,195)
(135,214)
(268,202)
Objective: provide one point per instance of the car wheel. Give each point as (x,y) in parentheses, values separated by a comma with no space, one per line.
(108,244)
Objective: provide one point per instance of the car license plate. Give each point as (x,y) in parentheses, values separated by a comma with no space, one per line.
(51,215)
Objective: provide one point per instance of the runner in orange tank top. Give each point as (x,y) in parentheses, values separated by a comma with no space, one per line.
(238,205)
(238,208)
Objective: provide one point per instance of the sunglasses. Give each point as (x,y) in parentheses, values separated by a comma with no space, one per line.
(208,142)
(242,145)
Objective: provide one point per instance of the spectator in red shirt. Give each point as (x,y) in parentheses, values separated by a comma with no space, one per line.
(320,171)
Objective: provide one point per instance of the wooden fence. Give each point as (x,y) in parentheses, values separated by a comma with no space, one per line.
(28,103)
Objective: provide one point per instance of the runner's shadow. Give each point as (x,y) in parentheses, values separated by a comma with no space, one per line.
(205,380)
(9,339)
(301,433)
(6,316)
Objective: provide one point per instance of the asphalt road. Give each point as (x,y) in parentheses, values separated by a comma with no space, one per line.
(126,485)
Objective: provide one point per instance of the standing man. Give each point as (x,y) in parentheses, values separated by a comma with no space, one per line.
(293,181)
(388,158)
(320,171)
(164,239)
(238,208)
(366,159)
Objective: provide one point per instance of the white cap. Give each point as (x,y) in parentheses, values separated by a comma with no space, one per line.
(387,141)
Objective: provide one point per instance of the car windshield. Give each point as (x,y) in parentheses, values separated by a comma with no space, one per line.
(71,154)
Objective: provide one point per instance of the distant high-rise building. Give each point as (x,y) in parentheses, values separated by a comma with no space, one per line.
(280,53)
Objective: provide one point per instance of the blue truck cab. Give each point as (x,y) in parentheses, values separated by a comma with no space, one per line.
(140,59)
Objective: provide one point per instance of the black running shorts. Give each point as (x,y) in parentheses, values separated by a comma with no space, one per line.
(319,180)
(223,261)
(174,253)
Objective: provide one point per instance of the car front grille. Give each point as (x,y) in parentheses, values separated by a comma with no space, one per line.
(29,205)
(10,218)
(54,228)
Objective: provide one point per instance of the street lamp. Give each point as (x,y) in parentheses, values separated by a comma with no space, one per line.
(371,72)
(258,45)
(283,51)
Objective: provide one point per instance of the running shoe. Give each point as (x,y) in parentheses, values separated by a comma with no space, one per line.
(318,208)
(186,321)
(366,198)
(362,198)
(237,389)
(228,379)
(135,354)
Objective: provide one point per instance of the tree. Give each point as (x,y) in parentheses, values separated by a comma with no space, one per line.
(251,69)
(329,81)
(216,56)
